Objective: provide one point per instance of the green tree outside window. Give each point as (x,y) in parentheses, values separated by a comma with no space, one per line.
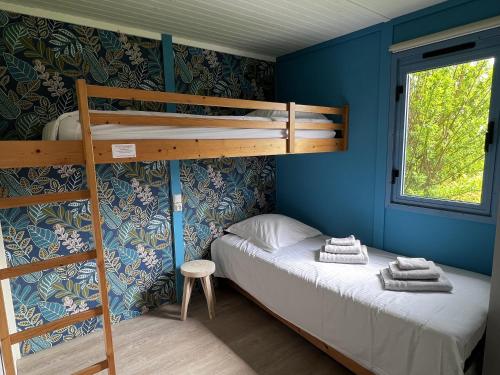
(447,116)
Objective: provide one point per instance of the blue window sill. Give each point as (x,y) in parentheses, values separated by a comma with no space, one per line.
(487,219)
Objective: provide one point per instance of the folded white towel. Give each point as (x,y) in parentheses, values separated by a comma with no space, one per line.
(432,273)
(343,249)
(412,263)
(346,241)
(440,285)
(361,258)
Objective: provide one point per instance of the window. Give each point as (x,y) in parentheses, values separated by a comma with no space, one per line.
(444,144)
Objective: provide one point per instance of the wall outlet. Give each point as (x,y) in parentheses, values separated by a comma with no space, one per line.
(177,202)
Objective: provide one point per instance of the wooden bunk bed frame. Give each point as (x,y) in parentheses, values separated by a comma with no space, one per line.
(18,154)
(22,154)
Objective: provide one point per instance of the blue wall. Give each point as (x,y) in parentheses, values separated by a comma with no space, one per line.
(314,187)
(343,193)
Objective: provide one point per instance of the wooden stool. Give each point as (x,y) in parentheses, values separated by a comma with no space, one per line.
(198,269)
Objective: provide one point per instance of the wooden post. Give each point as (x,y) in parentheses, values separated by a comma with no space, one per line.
(345,130)
(290,142)
(8,359)
(83,105)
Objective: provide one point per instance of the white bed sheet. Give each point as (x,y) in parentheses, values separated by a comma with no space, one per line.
(67,127)
(390,333)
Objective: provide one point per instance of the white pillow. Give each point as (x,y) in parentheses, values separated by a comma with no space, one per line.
(284,114)
(272,231)
(299,115)
(261,113)
(310,116)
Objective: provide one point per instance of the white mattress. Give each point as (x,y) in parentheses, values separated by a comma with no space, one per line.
(390,333)
(67,127)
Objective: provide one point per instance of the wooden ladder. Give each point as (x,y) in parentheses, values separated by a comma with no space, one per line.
(7,339)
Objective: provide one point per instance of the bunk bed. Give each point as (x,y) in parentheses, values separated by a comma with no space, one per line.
(18,154)
(290,138)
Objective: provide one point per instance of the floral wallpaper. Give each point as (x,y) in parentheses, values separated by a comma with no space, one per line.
(134,200)
(39,62)
(219,192)
(205,72)
(40,59)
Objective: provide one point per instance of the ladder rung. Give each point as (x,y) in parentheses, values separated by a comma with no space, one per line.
(29,200)
(8,273)
(93,369)
(52,326)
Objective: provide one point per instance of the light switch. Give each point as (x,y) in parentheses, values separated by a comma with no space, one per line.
(177,198)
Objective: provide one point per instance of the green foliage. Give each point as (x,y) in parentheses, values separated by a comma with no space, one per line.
(447,113)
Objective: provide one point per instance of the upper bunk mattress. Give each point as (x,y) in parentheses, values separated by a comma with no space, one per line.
(389,333)
(67,127)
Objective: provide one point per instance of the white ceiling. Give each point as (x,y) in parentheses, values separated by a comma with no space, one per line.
(259,28)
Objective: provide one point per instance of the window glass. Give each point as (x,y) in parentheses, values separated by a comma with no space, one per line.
(446,119)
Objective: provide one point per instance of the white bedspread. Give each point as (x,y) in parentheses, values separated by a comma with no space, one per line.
(390,333)
(67,127)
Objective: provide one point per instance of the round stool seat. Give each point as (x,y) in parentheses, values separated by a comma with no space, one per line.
(198,268)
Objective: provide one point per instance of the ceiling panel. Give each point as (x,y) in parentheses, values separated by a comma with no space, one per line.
(266,28)
(393,9)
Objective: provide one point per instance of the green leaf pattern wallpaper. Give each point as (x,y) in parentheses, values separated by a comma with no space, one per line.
(205,72)
(134,203)
(219,192)
(39,62)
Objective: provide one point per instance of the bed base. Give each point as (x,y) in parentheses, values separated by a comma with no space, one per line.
(329,350)
(24,154)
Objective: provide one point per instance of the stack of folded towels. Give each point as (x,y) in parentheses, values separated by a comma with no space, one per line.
(414,275)
(344,250)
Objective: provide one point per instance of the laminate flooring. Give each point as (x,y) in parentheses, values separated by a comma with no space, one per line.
(242,339)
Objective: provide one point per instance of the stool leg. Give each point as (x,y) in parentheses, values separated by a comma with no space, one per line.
(212,292)
(188,287)
(207,288)
(212,283)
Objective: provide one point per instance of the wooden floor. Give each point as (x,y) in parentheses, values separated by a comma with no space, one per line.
(242,339)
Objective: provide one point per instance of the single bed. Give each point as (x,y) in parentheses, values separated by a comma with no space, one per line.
(67,127)
(344,306)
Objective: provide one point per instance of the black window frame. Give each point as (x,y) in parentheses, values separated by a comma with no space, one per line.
(473,47)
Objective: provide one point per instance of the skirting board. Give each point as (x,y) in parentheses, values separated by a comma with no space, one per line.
(336,355)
